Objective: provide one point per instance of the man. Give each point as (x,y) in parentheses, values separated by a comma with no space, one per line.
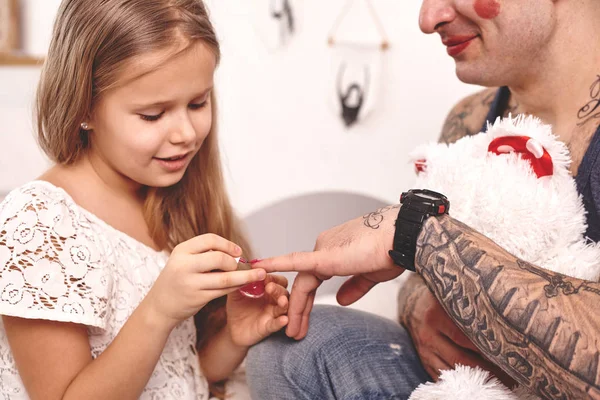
(538,327)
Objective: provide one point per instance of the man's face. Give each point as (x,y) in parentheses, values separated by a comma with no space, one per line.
(493,42)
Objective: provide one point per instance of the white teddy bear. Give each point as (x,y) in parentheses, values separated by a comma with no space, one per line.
(513,185)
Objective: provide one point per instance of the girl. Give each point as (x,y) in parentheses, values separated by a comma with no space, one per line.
(107,257)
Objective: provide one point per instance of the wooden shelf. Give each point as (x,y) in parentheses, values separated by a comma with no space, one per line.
(7,59)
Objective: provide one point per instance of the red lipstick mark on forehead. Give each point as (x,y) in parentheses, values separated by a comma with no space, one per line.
(487,9)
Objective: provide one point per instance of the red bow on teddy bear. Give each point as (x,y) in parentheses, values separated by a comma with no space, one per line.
(529,149)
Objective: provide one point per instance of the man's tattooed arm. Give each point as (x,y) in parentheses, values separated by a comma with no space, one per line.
(467,117)
(455,126)
(541,327)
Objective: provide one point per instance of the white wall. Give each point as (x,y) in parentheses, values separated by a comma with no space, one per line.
(20,158)
(279,132)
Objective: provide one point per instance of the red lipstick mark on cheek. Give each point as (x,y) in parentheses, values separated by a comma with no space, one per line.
(487,9)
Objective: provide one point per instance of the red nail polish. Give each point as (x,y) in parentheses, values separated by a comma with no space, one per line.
(253,290)
(244,261)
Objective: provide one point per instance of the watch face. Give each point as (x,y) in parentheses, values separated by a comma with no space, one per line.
(428,196)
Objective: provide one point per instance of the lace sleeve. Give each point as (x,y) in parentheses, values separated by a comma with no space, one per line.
(51,264)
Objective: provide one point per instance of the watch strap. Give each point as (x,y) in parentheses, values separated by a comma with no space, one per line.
(413,213)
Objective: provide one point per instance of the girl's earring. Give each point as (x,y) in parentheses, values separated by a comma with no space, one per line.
(85,126)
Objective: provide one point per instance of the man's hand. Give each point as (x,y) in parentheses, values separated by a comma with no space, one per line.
(302,298)
(358,248)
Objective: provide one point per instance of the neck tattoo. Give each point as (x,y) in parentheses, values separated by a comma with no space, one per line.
(591,109)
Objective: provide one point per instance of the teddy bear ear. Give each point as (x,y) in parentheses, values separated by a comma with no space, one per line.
(528,148)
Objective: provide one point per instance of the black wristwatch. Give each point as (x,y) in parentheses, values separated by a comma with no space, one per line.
(417,206)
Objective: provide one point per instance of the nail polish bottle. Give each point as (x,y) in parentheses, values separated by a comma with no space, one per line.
(252,290)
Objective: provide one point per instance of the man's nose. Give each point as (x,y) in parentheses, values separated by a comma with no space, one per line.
(436,13)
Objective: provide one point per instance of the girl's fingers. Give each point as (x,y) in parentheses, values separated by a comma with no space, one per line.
(215,294)
(278,279)
(279,298)
(207,242)
(275,291)
(275,325)
(213,260)
(282,303)
(226,280)
(282,307)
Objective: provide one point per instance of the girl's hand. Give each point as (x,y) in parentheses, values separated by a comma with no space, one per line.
(251,320)
(186,284)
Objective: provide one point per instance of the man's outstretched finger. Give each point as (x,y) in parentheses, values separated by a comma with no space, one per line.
(299,261)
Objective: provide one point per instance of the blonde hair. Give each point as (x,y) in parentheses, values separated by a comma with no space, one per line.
(92,43)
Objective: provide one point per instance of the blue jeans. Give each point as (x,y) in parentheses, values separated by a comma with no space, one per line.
(346,355)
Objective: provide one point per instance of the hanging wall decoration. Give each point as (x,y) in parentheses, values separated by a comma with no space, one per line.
(352,96)
(282,12)
(356,61)
(276,21)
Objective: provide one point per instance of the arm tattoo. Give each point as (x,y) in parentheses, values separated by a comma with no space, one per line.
(591,110)
(455,126)
(539,326)
(374,219)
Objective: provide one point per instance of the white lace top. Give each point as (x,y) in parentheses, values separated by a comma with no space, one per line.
(60,262)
